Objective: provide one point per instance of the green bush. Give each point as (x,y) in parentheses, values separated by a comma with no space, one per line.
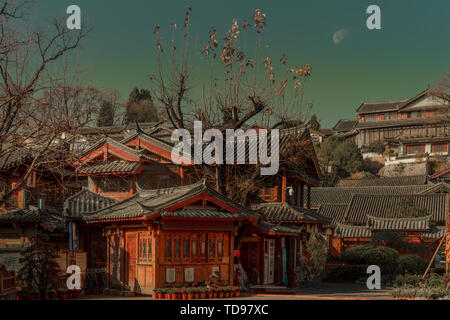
(356,255)
(408,280)
(412,264)
(384,257)
(346,273)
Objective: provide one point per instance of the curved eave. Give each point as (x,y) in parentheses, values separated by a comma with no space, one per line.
(256,229)
(401,230)
(298,221)
(206,219)
(115,220)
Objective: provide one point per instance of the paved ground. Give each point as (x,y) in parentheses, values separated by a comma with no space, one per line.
(313,291)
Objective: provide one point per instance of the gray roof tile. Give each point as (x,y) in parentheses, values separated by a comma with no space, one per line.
(397,206)
(284,212)
(388,181)
(85,201)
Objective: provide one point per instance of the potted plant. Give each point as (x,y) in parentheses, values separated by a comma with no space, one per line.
(176,295)
(190,293)
(156,294)
(237,292)
(203,293)
(184,294)
(196,293)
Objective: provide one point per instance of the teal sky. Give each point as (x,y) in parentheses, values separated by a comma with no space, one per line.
(410,51)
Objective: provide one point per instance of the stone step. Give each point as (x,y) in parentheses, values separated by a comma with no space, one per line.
(270,289)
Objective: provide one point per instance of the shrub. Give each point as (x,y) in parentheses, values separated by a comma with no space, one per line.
(384,257)
(346,273)
(317,250)
(412,264)
(407,280)
(355,255)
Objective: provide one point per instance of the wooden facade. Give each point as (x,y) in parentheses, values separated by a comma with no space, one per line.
(411,127)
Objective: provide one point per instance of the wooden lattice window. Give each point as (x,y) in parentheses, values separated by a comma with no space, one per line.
(439,147)
(145,247)
(195,247)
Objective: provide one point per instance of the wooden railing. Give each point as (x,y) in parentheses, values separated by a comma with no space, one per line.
(7,281)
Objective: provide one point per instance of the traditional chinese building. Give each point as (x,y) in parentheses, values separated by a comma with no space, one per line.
(170,237)
(411,127)
(138,167)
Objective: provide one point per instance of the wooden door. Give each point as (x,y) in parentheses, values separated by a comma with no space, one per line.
(131,259)
(269,261)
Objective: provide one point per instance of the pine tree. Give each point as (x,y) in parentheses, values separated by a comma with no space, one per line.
(314,123)
(105,116)
(140,107)
(40,269)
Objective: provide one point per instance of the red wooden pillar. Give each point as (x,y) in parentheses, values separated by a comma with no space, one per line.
(231,257)
(283,189)
(182,175)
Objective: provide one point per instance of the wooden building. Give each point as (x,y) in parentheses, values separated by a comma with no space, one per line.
(416,218)
(413,126)
(170,237)
(271,250)
(122,172)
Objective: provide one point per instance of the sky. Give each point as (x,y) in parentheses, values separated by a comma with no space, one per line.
(350,63)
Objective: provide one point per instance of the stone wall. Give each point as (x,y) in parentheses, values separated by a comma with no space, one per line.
(404,169)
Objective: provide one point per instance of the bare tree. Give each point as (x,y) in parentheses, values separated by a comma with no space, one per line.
(241,89)
(38,109)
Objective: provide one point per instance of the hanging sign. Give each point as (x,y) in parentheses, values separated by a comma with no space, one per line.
(31,181)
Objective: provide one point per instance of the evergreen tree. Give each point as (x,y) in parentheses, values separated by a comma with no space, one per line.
(314,123)
(140,107)
(40,270)
(105,116)
(344,157)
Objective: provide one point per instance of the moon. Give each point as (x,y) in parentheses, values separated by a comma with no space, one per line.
(339,35)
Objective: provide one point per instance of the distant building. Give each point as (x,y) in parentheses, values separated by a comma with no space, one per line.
(411,127)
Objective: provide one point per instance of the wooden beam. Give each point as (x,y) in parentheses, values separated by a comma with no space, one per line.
(283,188)
(302,194)
(308,205)
(434,256)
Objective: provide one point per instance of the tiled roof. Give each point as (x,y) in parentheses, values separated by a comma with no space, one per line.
(445,172)
(351,231)
(335,212)
(153,139)
(278,228)
(436,232)
(371,107)
(391,181)
(113,166)
(345,125)
(397,206)
(400,122)
(48,218)
(201,213)
(326,131)
(113,143)
(343,195)
(84,202)
(147,202)
(13,159)
(284,212)
(419,223)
